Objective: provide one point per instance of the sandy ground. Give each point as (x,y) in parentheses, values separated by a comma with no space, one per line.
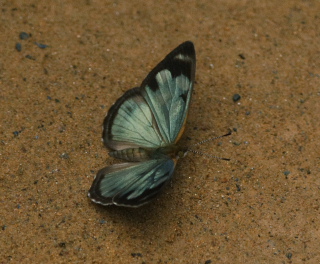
(260,207)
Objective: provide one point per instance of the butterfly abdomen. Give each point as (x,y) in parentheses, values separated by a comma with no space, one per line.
(131,154)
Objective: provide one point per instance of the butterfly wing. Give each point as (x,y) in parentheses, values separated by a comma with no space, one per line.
(168,88)
(154,114)
(130,124)
(131,184)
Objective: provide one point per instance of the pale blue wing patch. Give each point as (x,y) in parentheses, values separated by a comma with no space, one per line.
(131,184)
(169,103)
(168,90)
(130,124)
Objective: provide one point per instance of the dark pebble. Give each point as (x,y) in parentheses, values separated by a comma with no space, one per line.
(286,173)
(289,255)
(242,56)
(18,46)
(236,97)
(62,244)
(30,57)
(24,35)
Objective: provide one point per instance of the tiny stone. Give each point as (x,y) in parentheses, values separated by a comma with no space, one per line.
(30,57)
(236,97)
(18,46)
(286,173)
(24,35)
(62,244)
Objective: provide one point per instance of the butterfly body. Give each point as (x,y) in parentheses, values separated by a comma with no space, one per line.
(143,128)
(142,154)
(131,154)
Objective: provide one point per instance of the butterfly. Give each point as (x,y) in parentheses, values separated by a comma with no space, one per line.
(143,128)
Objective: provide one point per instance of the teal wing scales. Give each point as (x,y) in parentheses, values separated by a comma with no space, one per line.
(130,124)
(131,184)
(168,90)
(153,114)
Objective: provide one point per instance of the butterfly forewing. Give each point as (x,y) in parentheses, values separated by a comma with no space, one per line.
(130,123)
(168,89)
(151,116)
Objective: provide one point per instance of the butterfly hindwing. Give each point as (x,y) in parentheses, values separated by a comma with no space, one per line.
(131,184)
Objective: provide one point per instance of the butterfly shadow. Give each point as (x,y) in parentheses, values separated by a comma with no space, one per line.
(143,221)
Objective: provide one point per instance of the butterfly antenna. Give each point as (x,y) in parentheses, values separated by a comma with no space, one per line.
(207,140)
(206,154)
(213,138)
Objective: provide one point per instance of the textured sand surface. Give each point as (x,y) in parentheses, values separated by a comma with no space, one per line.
(260,207)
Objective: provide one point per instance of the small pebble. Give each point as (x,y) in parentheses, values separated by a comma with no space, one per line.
(24,35)
(286,173)
(236,97)
(18,46)
(30,57)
